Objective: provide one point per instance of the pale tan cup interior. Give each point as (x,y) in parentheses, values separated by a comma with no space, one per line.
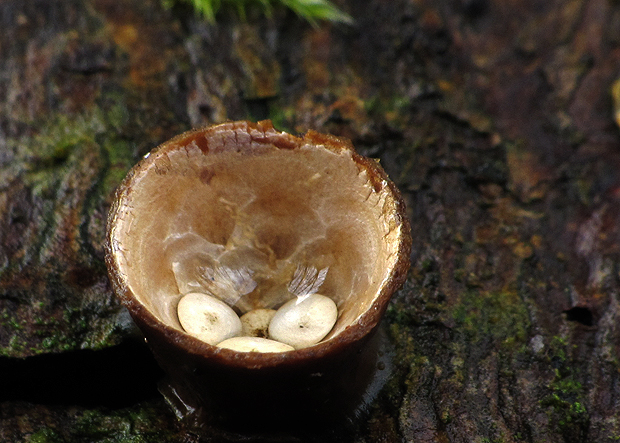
(271,209)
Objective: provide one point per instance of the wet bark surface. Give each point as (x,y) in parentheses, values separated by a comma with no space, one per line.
(497,120)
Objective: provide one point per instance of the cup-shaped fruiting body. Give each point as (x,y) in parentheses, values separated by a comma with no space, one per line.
(257,219)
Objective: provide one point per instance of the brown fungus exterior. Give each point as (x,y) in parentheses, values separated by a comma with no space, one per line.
(283,201)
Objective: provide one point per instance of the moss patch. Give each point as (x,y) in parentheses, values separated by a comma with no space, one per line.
(499,315)
(54,292)
(565,403)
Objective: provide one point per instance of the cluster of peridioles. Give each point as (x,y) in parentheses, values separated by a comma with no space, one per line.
(300,322)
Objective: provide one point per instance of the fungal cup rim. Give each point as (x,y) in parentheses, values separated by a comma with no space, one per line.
(367,322)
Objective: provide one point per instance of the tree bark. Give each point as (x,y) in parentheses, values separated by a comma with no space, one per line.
(497,120)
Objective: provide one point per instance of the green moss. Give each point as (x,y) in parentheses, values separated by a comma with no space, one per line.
(500,315)
(16,344)
(557,348)
(121,158)
(65,142)
(57,147)
(49,343)
(312,11)
(70,168)
(66,151)
(13,324)
(44,435)
(135,425)
(102,428)
(282,118)
(58,342)
(565,402)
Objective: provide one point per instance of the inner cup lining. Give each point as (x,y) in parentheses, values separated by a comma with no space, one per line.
(324,182)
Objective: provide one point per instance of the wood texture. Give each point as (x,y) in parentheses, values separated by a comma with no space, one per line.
(496,119)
